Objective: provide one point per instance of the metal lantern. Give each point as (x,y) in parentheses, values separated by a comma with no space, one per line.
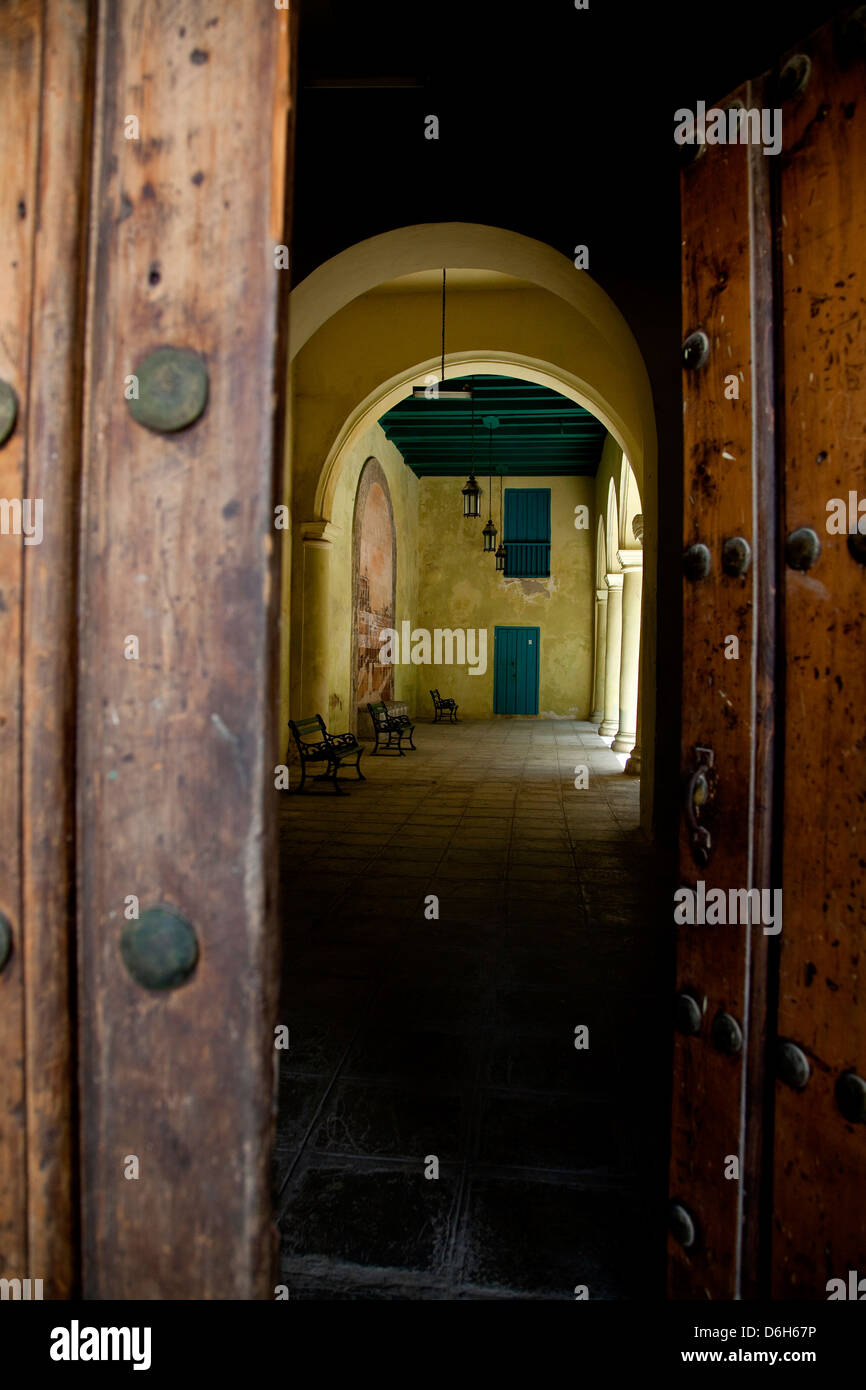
(500,553)
(489,532)
(471,497)
(472,492)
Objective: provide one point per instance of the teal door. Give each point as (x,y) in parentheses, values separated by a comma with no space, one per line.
(515,670)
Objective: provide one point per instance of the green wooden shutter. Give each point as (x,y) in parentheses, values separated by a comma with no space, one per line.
(527,532)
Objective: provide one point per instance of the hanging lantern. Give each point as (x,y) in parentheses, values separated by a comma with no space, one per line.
(489,532)
(500,553)
(472,492)
(471,497)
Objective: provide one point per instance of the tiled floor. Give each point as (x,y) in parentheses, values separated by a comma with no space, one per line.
(413,1038)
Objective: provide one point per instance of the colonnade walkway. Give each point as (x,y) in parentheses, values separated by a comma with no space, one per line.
(414,1039)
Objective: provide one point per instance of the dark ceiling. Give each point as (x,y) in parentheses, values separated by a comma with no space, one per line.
(539,432)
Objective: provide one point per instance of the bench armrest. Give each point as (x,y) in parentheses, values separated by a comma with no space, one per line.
(314,750)
(342,740)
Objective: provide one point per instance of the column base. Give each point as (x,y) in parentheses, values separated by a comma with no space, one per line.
(596,717)
(632,767)
(623,743)
(609,728)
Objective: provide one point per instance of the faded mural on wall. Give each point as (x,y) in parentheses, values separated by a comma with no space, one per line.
(374,574)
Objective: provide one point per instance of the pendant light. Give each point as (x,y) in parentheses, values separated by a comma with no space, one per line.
(471,491)
(500,553)
(489,532)
(443,390)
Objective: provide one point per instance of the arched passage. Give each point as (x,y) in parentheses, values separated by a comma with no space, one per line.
(488,822)
(559,329)
(618,374)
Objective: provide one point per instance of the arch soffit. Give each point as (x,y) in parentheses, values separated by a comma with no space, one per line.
(462,245)
(390,392)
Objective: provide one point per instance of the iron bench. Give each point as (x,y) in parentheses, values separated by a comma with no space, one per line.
(316,745)
(444,706)
(392,727)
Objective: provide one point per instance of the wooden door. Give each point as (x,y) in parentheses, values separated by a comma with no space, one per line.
(516,670)
(163,131)
(763,1171)
(819,1216)
(726,709)
(45,57)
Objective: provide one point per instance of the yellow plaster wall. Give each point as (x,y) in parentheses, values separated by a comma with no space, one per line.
(459,587)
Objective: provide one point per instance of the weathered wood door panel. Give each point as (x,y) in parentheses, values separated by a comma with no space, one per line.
(45,55)
(819,1227)
(724,234)
(176,800)
(786,287)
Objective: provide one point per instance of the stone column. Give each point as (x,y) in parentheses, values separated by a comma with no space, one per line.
(315,647)
(612,654)
(632,583)
(598,668)
(633,766)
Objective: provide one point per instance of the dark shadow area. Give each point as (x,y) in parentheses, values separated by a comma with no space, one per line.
(413,1037)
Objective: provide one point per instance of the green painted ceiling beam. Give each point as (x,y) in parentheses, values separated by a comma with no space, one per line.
(539,431)
(516,470)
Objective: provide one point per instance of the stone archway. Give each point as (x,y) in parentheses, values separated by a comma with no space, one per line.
(374,589)
(577,343)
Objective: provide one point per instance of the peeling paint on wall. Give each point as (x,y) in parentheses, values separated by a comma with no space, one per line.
(531,588)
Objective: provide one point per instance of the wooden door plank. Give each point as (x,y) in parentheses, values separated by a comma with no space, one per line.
(757,1165)
(49,668)
(820,1158)
(20,54)
(721,238)
(44,53)
(176,748)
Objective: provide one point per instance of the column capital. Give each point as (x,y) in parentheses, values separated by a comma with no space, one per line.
(319,533)
(630,559)
(601,595)
(614,579)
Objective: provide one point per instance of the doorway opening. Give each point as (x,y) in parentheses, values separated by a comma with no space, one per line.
(456,928)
